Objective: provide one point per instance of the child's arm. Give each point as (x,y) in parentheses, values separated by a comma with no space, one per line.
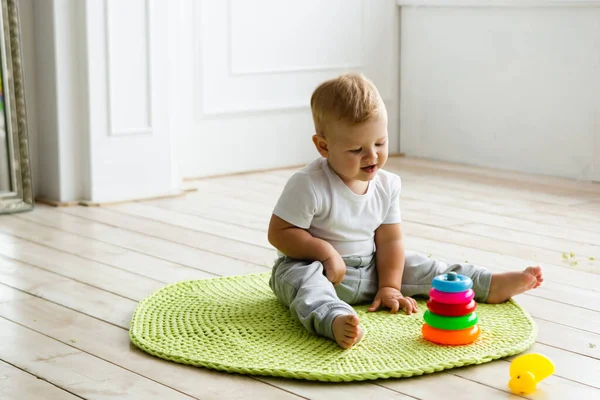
(389,243)
(297,243)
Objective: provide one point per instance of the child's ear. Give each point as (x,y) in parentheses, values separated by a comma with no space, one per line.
(321,144)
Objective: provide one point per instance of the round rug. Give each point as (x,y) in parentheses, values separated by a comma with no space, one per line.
(236,324)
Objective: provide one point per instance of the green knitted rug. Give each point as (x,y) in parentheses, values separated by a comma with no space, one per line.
(236,324)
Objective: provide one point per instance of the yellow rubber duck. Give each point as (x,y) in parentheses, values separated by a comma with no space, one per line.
(527,371)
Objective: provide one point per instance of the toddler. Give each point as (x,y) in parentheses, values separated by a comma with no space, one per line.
(337,225)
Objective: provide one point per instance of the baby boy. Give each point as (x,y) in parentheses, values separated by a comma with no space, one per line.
(338,230)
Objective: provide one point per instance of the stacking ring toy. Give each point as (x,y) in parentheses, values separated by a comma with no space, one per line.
(451,310)
(452,282)
(450,323)
(439,336)
(452,298)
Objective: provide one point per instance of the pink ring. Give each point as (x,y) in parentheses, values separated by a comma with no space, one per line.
(452,298)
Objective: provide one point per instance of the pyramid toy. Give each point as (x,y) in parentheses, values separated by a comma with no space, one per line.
(451,318)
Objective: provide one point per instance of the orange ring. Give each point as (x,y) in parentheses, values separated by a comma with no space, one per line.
(440,336)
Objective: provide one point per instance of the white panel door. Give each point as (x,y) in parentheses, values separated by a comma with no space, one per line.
(247,70)
(130,139)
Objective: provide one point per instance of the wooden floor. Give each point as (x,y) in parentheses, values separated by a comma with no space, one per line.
(71,277)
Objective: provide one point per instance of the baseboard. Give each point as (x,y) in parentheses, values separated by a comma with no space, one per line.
(55,203)
(87,203)
(254,171)
(258,171)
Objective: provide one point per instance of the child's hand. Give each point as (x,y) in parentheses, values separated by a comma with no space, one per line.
(392,298)
(335,269)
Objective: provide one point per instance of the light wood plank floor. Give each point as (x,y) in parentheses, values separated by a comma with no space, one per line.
(71,277)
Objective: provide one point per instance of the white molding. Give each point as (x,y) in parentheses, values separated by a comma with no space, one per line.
(144,130)
(294,70)
(229,112)
(498,3)
(288,70)
(203,113)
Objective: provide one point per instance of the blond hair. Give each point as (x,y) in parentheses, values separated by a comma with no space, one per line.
(350,98)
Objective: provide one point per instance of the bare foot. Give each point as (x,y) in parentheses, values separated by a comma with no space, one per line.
(346,330)
(508,284)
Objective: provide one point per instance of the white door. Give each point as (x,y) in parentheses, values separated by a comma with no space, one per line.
(246,70)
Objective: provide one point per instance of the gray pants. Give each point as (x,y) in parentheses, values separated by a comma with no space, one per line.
(315,302)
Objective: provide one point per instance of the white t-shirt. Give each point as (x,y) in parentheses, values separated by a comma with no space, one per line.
(316,199)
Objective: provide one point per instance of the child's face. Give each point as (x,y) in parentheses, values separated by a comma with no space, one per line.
(356,152)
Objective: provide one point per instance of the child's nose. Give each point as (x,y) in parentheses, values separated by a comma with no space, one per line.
(371,155)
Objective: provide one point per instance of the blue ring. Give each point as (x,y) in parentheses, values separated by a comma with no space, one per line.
(461,283)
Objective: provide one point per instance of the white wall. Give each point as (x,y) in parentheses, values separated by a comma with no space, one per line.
(507,87)
(56,108)
(124,98)
(130,96)
(247,70)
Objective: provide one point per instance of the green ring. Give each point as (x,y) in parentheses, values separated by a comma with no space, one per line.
(450,323)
